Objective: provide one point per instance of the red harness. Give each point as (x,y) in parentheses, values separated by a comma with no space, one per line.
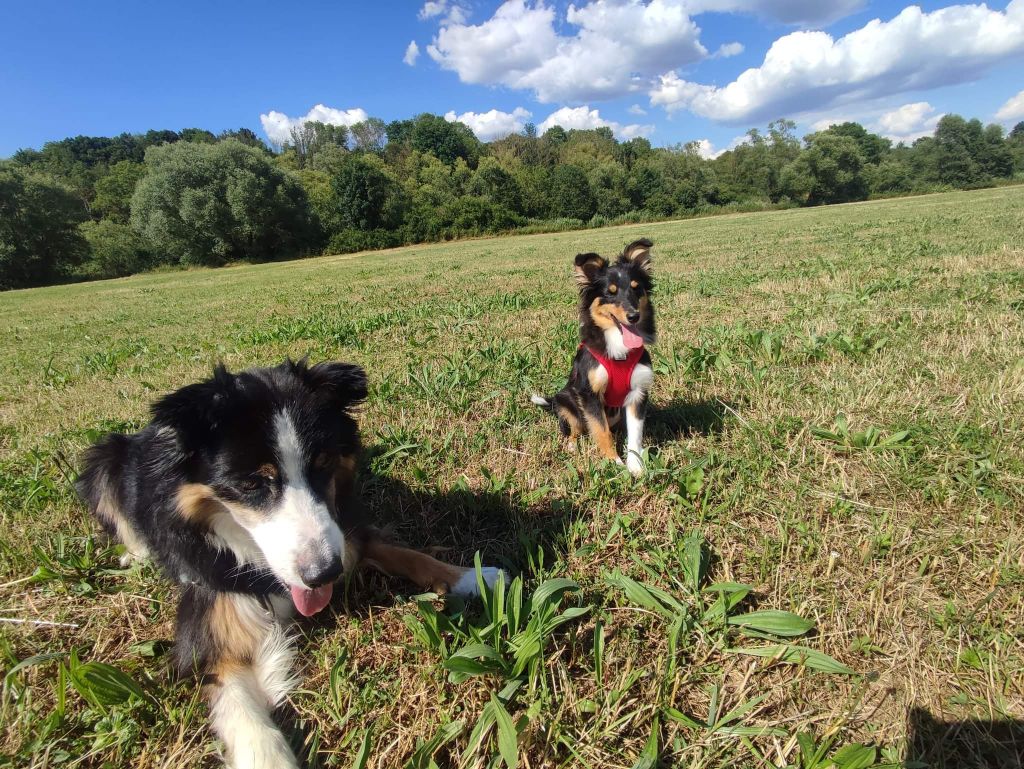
(620,372)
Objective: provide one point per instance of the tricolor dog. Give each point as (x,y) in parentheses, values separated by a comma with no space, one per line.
(611,372)
(241,489)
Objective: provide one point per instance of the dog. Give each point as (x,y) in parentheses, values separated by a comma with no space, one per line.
(612,371)
(241,489)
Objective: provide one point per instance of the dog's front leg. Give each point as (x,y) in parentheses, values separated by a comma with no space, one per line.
(245,656)
(635,413)
(423,570)
(241,714)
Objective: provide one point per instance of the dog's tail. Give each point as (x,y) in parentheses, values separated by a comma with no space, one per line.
(544,403)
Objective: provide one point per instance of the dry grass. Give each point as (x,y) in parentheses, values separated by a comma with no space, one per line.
(903,315)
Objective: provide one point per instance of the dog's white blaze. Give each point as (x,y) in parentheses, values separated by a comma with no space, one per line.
(240,711)
(639,383)
(617,349)
(301,521)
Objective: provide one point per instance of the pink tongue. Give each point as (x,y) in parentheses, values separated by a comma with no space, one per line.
(630,338)
(309,602)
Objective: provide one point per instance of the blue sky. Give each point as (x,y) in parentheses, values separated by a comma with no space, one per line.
(671,70)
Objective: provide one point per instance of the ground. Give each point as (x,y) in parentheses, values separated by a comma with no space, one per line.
(836,433)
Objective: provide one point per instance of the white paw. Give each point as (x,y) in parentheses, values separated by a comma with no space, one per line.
(467,586)
(634,464)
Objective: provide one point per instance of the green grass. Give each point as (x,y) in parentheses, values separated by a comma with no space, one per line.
(827,544)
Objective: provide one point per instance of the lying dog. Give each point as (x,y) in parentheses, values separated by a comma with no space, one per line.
(241,489)
(612,369)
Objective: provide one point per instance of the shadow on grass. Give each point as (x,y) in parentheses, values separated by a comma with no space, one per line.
(686,418)
(451,525)
(970,744)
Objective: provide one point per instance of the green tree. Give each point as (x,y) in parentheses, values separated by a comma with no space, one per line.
(39,238)
(368,135)
(569,194)
(114,191)
(213,203)
(368,197)
(115,250)
(830,170)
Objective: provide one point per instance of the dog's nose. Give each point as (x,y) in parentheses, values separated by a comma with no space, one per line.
(321,571)
(633,317)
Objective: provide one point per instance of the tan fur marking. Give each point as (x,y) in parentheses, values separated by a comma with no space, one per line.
(614,417)
(237,633)
(198,503)
(426,572)
(634,284)
(571,420)
(604,315)
(598,379)
(613,289)
(598,427)
(108,511)
(268,471)
(594,263)
(643,304)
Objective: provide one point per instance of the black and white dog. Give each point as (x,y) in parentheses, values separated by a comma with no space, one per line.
(242,490)
(611,371)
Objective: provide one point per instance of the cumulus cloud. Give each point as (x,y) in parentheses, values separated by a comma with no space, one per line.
(584,118)
(616,48)
(493,124)
(706,149)
(452,12)
(636,109)
(412,52)
(810,70)
(277,126)
(1013,109)
(803,12)
(909,122)
(728,49)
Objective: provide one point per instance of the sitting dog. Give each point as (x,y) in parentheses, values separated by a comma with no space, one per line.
(242,490)
(612,369)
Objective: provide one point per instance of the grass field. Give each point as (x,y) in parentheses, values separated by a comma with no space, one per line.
(836,433)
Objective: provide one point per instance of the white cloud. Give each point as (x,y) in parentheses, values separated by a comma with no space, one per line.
(1013,109)
(706,149)
(615,50)
(452,12)
(636,109)
(909,122)
(493,124)
(725,50)
(277,126)
(810,70)
(583,118)
(412,52)
(804,12)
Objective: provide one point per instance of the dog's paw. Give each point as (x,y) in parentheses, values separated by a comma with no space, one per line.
(467,587)
(634,464)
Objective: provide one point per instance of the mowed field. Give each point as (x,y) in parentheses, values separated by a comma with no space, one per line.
(837,432)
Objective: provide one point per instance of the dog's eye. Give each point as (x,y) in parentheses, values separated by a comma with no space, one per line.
(267,472)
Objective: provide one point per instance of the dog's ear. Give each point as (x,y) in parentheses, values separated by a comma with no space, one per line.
(587,268)
(638,253)
(343,383)
(199,409)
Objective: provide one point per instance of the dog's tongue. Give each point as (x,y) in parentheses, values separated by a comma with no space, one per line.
(309,602)
(630,338)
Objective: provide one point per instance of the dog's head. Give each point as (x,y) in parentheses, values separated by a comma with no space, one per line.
(616,297)
(269,455)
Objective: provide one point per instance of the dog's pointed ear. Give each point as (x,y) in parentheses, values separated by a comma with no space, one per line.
(638,253)
(197,409)
(587,268)
(343,383)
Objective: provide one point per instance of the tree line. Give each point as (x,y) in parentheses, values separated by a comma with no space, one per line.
(93,207)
